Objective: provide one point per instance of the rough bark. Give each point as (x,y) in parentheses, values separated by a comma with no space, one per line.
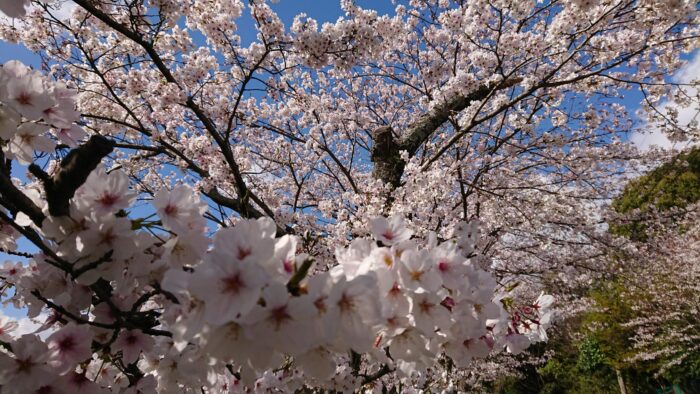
(388,165)
(16,201)
(73,172)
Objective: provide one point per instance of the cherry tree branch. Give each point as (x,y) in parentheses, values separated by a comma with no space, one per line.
(73,172)
(242,189)
(388,165)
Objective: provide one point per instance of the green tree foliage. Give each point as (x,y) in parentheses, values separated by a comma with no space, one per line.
(672,185)
(585,360)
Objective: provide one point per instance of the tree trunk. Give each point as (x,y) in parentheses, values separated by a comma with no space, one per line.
(621,382)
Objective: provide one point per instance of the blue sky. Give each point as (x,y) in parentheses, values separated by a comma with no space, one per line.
(321,10)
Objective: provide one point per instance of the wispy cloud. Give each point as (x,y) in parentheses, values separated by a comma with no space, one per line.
(27,325)
(650,135)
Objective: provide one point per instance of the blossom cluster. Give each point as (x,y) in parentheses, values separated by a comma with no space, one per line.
(661,275)
(509,112)
(143,305)
(181,312)
(30,107)
(156,304)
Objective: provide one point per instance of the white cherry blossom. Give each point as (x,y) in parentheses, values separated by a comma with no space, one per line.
(28,138)
(26,94)
(131,343)
(105,192)
(390,231)
(228,287)
(69,346)
(9,121)
(27,369)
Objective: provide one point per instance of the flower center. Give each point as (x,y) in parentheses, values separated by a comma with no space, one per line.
(233,284)
(131,339)
(346,303)
(170,209)
(24,98)
(107,238)
(425,307)
(25,366)
(388,261)
(467,343)
(108,199)
(416,275)
(395,290)
(66,344)
(243,252)
(320,305)
(279,315)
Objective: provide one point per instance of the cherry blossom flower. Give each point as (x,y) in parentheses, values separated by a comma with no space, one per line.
(180,209)
(317,290)
(467,342)
(186,249)
(354,312)
(7,326)
(131,343)
(26,93)
(450,265)
(229,343)
(104,193)
(26,370)
(228,288)
(63,114)
(109,234)
(69,346)
(283,321)
(417,271)
(12,271)
(28,138)
(428,313)
(390,231)
(78,383)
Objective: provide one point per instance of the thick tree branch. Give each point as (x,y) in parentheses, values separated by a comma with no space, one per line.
(388,165)
(16,201)
(73,172)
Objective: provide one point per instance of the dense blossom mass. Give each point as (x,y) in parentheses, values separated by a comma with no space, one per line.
(201,197)
(168,307)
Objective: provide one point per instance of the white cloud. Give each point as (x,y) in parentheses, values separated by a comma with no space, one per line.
(27,325)
(652,136)
(65,10)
